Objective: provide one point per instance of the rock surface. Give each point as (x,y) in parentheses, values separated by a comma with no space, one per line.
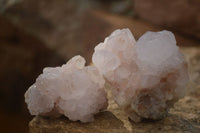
(169,13)
(183,117)
(105,122)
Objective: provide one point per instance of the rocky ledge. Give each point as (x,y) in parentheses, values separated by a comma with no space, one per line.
(105,122)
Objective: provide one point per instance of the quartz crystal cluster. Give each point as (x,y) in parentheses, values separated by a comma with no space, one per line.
(147,77)
(72,89)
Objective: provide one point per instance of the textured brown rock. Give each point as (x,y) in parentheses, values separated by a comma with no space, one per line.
(181,15)
(105,122)
(182,118)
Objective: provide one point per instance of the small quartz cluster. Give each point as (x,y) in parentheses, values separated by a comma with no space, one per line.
(72,89)
(147,77)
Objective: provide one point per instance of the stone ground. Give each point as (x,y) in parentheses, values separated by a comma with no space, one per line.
(184,117)
(105,122)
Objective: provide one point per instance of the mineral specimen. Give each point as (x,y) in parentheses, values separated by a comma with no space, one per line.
(72,89)
(147,77)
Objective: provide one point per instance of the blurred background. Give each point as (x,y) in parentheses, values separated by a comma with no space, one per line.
(39,33)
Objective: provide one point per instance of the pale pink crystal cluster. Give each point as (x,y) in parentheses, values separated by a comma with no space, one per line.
(72,89)
(147,76)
